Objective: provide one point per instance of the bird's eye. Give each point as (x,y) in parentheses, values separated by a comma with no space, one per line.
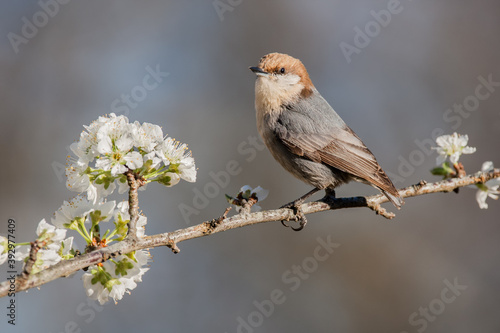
(282,70)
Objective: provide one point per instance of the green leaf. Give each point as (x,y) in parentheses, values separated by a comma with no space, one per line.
(439,171)
(445,170)
(449,168)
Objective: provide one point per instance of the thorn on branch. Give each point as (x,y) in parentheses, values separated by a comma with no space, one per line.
(419,185)
(459,169)
(173,246)
(213,224)
(459,173)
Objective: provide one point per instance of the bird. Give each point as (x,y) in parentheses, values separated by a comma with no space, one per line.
(307,137)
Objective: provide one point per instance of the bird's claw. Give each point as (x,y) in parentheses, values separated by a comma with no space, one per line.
(299,214)
(303,222)
(283,222)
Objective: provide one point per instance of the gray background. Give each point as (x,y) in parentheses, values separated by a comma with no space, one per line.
(395,91)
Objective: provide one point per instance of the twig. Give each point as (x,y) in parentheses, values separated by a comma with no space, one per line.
(215,222)
(35,246)
(172,239)
(133,203)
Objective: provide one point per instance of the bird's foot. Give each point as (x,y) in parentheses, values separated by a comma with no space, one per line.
(299,214)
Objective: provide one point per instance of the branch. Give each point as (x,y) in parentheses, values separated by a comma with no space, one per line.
(35,247)
(223,223)
(134,182)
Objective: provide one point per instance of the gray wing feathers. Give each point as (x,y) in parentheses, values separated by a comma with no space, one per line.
(314,130)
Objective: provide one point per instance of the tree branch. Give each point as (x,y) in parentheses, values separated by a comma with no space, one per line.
(133,203)
(35,247)
(223,223)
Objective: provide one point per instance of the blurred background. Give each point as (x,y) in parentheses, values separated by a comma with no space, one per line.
(392,70)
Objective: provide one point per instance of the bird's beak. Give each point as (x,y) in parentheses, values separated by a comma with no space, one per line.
(259,71)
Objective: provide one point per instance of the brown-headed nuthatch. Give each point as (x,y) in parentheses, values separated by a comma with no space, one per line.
(307,137)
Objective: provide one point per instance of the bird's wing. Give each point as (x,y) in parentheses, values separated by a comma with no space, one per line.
(323,137)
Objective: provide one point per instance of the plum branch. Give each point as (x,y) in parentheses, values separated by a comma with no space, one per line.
(25,281)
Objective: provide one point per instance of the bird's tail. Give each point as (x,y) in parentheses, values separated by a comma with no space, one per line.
(394,198)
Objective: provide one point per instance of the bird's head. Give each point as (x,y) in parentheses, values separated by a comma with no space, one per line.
(281,80)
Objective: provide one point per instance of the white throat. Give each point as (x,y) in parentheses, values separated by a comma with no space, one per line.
(271,93)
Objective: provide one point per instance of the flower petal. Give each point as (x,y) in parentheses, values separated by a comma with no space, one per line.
(468,150)
(260,193)
(481,199)
(487,166)
(134,160)
(454,157)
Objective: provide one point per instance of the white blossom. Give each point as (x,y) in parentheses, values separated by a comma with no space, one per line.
(146,136)
(171,151)
(53,247)
(65,248)
(79,208)
(96,290)
(122,185)
(187,169)
(116,277)
(46,258)
(22,252)
(108,140)
(98,192)
(453,146)
(155,160)
(176,153)
(86,148)
(247,192)
(77,178)
(49,233)
(488,189)
(121,213)
(115,145)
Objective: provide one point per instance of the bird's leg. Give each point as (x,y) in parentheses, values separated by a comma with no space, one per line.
(296,206)
(300,200)
(329,195)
